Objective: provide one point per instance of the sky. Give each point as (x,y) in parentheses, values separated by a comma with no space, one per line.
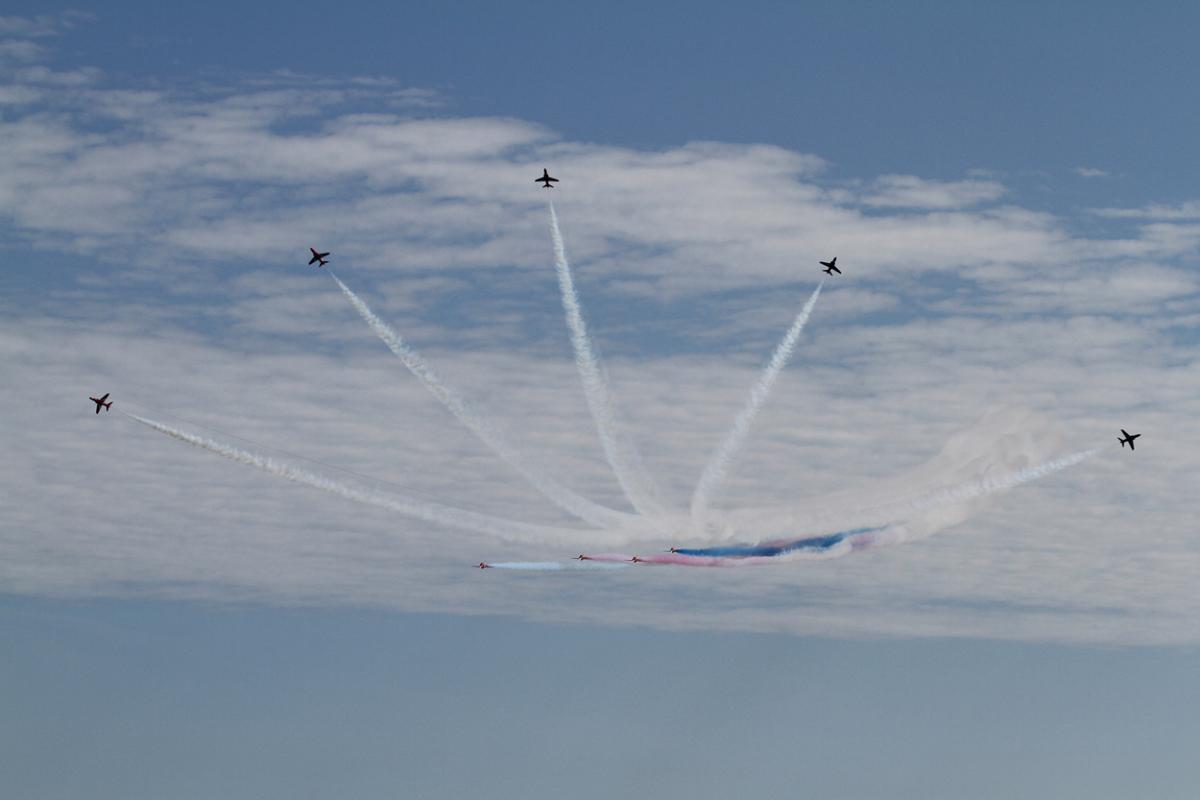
(1008,193)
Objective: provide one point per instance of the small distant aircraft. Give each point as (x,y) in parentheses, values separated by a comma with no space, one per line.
(545,180)
(582,557)
(484,565)
(673,550)
(317,257)
(99,401)
(830,267)
(636,560)
(1127,439)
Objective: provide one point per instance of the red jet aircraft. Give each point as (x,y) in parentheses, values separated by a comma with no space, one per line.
(317,257)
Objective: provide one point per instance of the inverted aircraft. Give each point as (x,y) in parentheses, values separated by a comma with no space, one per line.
(317,257)
(99,401)
(1127,439)
(545,180)
(830,267)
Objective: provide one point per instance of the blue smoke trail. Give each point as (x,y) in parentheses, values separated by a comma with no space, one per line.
(772,549)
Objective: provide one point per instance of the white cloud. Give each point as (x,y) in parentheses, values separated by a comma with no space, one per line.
(26,26)
(193,213)
(909,191)
(18,95)
(188,179)
(1090,172)
(42,25)
(44,75)
(94,505)
(1183,211)
(20,51)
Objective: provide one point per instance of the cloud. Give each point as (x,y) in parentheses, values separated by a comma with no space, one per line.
(1189,210)
(43,75)
(40,26)
(1090,172)
(18,95)
(164,177)
(187,214)
(16,34)
(94,505)
(909,191)
(20,51)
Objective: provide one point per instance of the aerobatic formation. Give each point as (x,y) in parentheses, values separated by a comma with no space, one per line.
(651,518)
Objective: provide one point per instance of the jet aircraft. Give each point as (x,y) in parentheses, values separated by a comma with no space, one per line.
(1127,439)
(484,565)
(830,267)
(545,180)
(582,557)
(317,257)
(99,401)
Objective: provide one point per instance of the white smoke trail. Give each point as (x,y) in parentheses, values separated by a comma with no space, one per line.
(436,513)
(985,486)
(554,491)
(913,502)
(626,465)
(955,495)
(718,464)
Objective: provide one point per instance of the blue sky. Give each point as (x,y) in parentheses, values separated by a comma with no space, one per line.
(1009,192)
(949,87)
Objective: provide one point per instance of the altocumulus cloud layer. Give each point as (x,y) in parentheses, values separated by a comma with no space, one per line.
(970,336)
